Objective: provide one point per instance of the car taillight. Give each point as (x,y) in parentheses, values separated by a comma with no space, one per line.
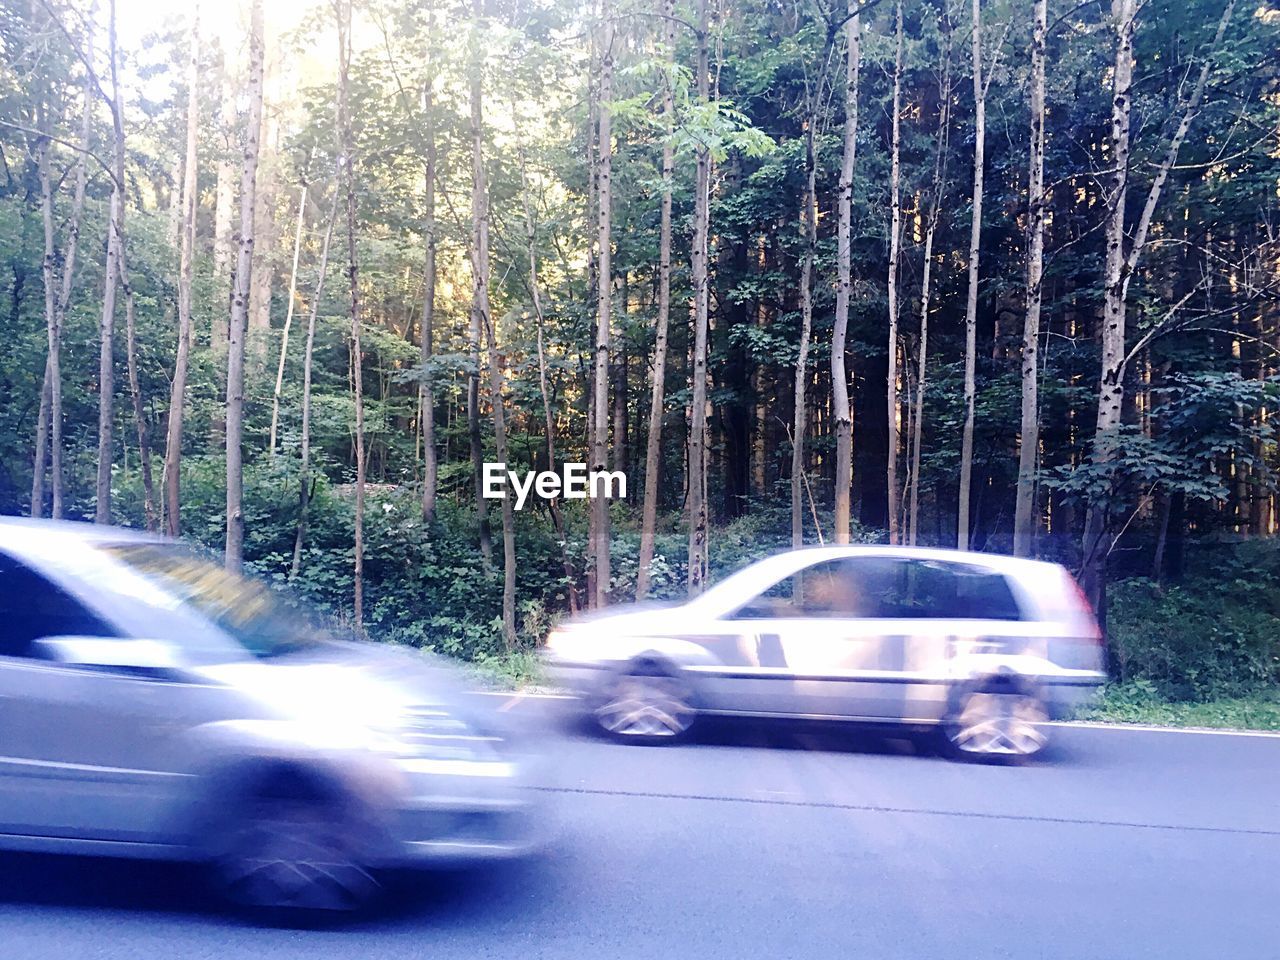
(1082,608)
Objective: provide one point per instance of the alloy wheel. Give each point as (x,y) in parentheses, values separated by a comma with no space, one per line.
(647,707)
(994,724)
(292,855)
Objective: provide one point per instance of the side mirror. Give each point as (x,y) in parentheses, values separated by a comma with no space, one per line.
(142,658)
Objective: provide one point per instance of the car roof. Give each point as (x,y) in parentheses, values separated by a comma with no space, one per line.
(763,573)
(994,561)
(23,535)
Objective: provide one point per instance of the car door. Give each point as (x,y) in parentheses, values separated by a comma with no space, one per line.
(826,638)
(81,748)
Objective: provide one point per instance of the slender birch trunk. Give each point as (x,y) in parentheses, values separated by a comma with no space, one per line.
(427,398)
(224,241)
(895,243)
(475,330)
(304,490)
(842,410)
(1024,516)
(971,302)
(809,218)
(482,317)
(940,158)
(346,153)
(150,514)
(187,239)
(535,293)
(657,396)
(239,321)
(51,364)
(1120,267)
(599,516)
(701,319)
(288,321)
(106,329)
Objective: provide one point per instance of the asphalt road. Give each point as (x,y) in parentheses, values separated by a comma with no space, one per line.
(781,843)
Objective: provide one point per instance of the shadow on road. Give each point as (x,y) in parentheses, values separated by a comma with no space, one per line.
(94,884)
(825,736)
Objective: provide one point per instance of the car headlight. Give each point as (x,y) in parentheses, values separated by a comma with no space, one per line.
(569,646)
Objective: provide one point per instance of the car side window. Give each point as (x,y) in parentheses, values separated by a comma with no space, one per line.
(887,588)
(31,607)
(849,588)
(943,590)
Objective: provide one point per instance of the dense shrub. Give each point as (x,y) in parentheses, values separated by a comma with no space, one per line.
(1199,640)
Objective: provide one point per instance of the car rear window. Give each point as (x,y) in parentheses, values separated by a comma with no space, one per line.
(959,591)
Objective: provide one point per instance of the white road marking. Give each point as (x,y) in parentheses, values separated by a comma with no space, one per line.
(1148,728)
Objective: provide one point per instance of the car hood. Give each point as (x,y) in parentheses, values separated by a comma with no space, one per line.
(638,619)
(353,685)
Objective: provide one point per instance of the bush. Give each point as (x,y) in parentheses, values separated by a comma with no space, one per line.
(1200,640)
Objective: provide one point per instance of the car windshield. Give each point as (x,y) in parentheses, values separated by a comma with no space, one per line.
(261,620)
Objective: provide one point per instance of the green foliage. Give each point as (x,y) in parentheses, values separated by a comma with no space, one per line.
(1138,701)
(1199,641)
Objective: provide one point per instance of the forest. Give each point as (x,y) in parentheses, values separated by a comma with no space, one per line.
(279,278)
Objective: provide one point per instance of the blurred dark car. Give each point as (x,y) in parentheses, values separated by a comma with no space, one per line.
(978,650)
(153,704)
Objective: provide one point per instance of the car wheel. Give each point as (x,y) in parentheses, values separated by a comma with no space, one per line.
(997,720)
(293,855)
(647,703)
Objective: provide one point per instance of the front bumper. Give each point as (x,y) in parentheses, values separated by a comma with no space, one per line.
(577,679)
(459,812)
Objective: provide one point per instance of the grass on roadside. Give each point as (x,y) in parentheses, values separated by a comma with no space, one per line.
(1138,702)
(508,671)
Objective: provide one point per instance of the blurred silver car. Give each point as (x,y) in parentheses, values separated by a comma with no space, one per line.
(979,648)
(154,705)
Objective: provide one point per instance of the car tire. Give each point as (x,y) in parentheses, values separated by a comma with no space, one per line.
(996,719)
(647,702)
(291,852)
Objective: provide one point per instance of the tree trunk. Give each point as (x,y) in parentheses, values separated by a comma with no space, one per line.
(187,240)
(697,499)
(480,312)
(224,245)
(809,218)
(895,243)
(1096,544)
(52,369)
(304,491)
(940,158)
(553,505)
(473,391)
(1024,515)
(1120,268)
(427,398)
(842,410)
(106,330)
(346,154)
(971,302)
(150,513)
(240,300)
(657,395)
(599,506)
(288,322)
